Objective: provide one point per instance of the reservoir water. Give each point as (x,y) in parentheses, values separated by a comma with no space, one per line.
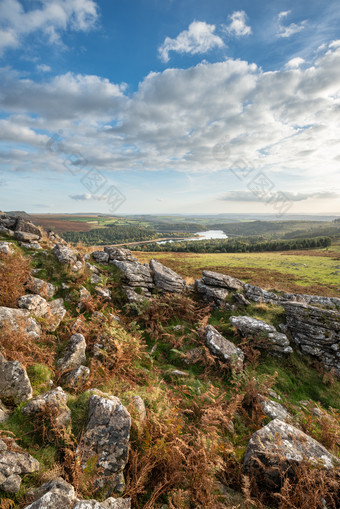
(207,235)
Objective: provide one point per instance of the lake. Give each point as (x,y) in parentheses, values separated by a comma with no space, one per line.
(207,235)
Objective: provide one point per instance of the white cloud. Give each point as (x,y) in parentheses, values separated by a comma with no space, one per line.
(87,197)
(294,63)
(43,68)
(238,26)
(48,18)
(288,30)
(248,196)
(199,38)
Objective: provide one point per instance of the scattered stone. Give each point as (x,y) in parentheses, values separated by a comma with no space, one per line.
(120,254)
(76,378)
(216,295)
(277,448)
(74,353)
(273,409)
(92,268)
(15,386)
(35,304)
(77,266)
(178,373)
(20,319)
(65,254)
(194,355)
(251,327)
(13,464)
(4,413)
(58,494)
(224,349)
(107,441)
(55,402)
(41,287)
(58,311)
(257,294)
(100,256)
(139,406)
(240,299)
(178,328)
(136,275)
(6,248)
(104,293)
(26,231)
(31,245)
(165,279)
(95,279)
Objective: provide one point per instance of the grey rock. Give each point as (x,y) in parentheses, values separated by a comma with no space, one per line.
(165,279)
(120,254)
(65,254)
(54,401)
(15,385)
(251,327)
(77,377)
(19,319)
(4,412)
(316,331)
(240,299)
(279,447)
(139,406)
(104,293)
(273,409)
(74,354)
(14,464)
(327,302)
(100,256)
(56,494)
(224,349)
(257,294)
(211,278)
(216,295)
(57,312)
(35,304)
(135,274)
(95,279)
(134,297)
(41,287)
(92,268)
(109,503)
(76,267)
(26,231)
(194,355)
(107,439)
(6,248)
(31,245)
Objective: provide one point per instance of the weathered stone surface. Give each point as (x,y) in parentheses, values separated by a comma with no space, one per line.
(76,267)
(240,299)
(95,279)
(8,222)
(26,231)
(327,302)
(54,402)
(216,295)
(35,304)
(133,296)
(224,349)
(107,440)
(31,245)
(13,464)
(100,256)
(120,254)
(139,406)
(273,409)
(165,279)
(65,254)
(4,413)
(19,319)
(74,354)
(104,293)
(53,311)
(56,494)
(279,447)
(257,294)
(41,287)
(6,248)
(110,503)
(135,274)
(15,386)
(316,331)
(211,278)
(251,327)
(76,378)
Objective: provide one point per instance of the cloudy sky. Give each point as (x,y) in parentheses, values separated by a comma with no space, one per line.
(170,106)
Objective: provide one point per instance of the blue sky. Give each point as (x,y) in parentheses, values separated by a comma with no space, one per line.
(169,106)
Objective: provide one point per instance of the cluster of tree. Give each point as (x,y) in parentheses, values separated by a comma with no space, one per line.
(277,229)
(111,235)
(246,245)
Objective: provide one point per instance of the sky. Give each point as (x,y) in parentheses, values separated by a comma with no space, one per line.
(170,106)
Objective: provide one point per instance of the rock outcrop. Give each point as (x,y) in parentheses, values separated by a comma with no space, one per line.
(269,337)
(6,248)
(15,386)
(223,349)
(74,353)
(106,440)
(279,447)
(13,464)
(316,331)
(215,287)
(26,231)
(53,311)
(41,287)
(165,279)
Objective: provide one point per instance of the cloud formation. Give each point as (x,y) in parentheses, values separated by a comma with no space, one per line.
(88,197)
(248,196)
(198,39)
(238,26)
(47,18)
(288,30)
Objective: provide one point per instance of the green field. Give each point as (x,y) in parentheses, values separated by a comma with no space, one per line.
(314,272)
